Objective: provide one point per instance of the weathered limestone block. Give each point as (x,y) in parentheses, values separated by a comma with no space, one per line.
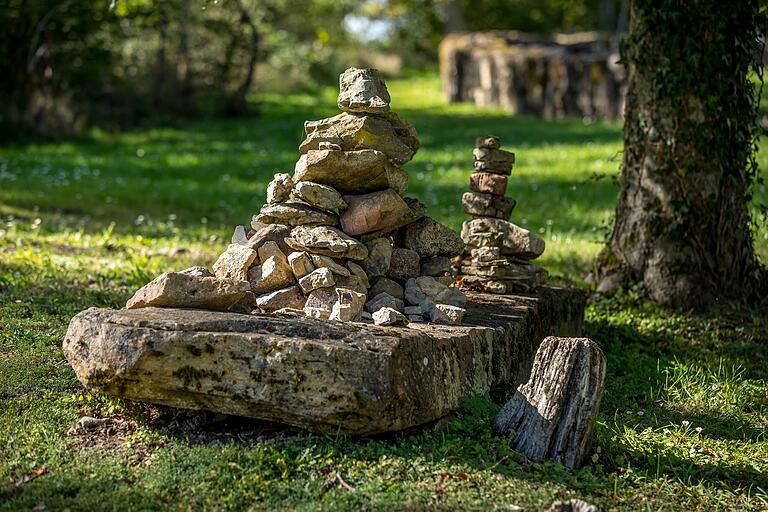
(390,135)
(515,240)
(382,211)
(430,238)
(348,306)
(301,263)
(389,316)
(488,183)
(320,375)
(191,288)
(327,241)
(295,214)
(487,205)
(290,297)
(234,262)
(273,273)
(363,90)
(351,172)
(553,414)
(318,278)
(318,195)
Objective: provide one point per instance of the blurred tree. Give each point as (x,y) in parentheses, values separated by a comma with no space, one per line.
(682,224)
(66,63)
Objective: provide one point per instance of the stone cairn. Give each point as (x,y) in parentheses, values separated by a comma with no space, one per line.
(336,240)
(496,259)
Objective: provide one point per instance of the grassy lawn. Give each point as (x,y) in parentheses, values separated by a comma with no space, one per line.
(683,424)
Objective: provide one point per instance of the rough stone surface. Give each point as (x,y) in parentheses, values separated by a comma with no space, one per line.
(301,263)
(234,263)
(359,272)
(239,237)
(393,137)
(427,291)
(319,195)
(487,205)
(489,141)
(320,261)
(295,214)
(515,240)
(436,266)
(446,314)
(351,172)
(404,264)
(430,238)
(325,376)
(348,306)
(493,160)
(318,278)
(290,297)
(382,211)
(488,183)
(327,241)
(384,284)
(379,257)
(279,188)
(273,273)
(271,232)
(389,316)
(384,300)
(352,282)
(363,90)
(322,298)
(553,414)
(189,289)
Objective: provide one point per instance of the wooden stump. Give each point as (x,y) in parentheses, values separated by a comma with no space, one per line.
(553,414)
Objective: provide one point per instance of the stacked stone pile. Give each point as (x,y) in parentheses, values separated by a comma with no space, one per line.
(338,239)
(498,253)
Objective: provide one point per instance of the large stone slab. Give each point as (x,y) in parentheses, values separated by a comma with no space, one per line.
(318,374)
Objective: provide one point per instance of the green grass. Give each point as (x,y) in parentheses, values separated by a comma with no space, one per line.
(684,420)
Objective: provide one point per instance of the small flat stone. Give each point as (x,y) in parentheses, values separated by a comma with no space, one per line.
(234,262)
(381,211)
(384,300)
(488,141)
(320,261)
(404,264)
(429,238)
(515,240)
(353,131)
(279,188)
(327,241)
(496,161)
(487,205)
(348,306)
(295,214)
(363,90)
(446,314)
(290,297)
(318,195)
(389,316)
(318,278)
(379,257)
(301,263)
(187,290)
(384,284)
(488,183)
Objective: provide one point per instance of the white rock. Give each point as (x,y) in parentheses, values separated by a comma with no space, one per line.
(235,262)
(240,237)
(389,316)
(318,278)
(273,273)
(446,314)
(279,188)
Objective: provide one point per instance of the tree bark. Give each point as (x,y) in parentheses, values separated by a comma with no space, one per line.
(553,414)
(682,224)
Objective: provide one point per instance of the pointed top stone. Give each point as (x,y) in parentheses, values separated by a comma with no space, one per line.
(363,90)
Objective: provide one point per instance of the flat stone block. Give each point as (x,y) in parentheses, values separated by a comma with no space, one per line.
(318,374)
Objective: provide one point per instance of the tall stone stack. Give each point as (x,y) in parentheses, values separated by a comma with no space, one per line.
(498,253)
(337,239)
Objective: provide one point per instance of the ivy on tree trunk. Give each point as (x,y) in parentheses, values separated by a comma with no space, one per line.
(682,223)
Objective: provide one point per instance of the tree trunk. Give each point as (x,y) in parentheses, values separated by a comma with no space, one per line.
(682,223)
(553,414)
